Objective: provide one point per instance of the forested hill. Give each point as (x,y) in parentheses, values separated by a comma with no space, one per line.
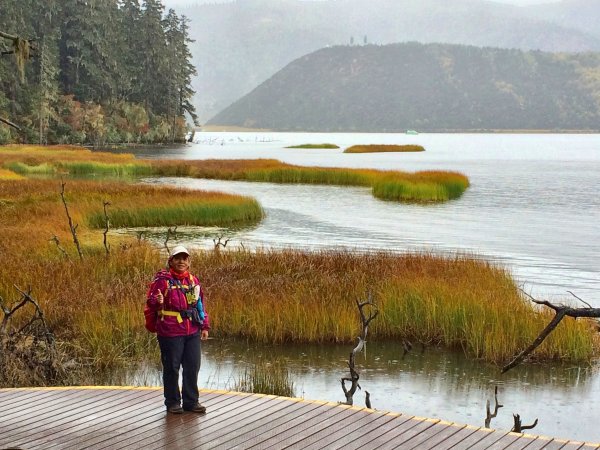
(239,44)
(432,87)
(93,72)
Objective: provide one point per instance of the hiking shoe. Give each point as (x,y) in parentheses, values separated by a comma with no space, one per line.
(175,409)
(197,408)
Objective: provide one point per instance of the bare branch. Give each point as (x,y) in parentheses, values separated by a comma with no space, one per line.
(518,427)
(107,224)
(580,299)
(57,242)
(488,414)
(169,233)
(354,376)
(72,227)
(218,243)
(561,311)
(9,123)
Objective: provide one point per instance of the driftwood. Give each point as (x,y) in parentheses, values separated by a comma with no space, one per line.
(362,339)
(219,243)
(169,233)
(107,225)
(28,349)
(57,242)
(561,312)
(72,227)
(488,414)
(518,427)
(9,123)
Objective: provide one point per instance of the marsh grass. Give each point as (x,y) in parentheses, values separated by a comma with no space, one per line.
(315,146)
(418,187)
(457,302)
(266,377)
(380,148)
(9,175)
(95,306)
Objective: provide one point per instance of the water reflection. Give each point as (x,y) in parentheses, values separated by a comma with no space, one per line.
(426,382)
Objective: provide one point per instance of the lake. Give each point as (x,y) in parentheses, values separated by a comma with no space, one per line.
(533,207)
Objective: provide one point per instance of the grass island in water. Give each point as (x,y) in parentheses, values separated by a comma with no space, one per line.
(379,148)
(315,146)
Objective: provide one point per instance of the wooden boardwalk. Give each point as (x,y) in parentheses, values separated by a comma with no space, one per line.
(133,418)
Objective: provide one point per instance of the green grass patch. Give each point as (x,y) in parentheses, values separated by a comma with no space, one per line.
(271,378)
(199,213)
(419,187)
(314,146)
(79,168)
(376,148)
(25,169)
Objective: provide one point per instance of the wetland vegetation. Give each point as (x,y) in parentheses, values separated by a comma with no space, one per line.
(376,148)
(314,146)
(94,305)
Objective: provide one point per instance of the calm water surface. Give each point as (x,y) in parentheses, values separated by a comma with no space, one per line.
(533,207)
(533,204)
(426,382)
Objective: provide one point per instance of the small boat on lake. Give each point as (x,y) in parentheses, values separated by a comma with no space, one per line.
(412,132)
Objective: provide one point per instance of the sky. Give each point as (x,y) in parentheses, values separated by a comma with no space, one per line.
(175,3)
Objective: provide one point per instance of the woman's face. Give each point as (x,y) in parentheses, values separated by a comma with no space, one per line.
(180,262)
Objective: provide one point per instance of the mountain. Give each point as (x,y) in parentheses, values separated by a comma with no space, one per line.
(242,43)
(427,87)
(582,15)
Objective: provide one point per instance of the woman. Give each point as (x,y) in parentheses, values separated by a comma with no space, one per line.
(177,301)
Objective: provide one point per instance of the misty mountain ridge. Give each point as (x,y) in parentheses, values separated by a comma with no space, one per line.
(242,43)
(427,87)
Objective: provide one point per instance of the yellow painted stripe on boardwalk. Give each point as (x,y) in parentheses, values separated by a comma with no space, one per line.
(135,417)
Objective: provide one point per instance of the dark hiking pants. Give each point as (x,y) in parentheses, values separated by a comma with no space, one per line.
(176,352)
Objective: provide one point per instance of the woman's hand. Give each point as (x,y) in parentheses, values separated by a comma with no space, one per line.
(159,297)
(204,335)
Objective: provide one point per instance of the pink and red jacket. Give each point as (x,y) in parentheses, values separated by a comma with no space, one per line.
(174,287)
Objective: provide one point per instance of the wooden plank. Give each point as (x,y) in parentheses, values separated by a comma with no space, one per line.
(275,426)
(572,445)
(167,427)
(366,438)
(70,428)
(242,424)
(135,418)
(46,409)
(289,440)
(324,413)
(23,398)
(489,438)
(149,411)
(393,438)
(327,434)
(448,442)
(415,431)
(429,433)
(131,429)
(60,412)
(9,398)
(191,436)
(482,437)
(529,442)
(336,440)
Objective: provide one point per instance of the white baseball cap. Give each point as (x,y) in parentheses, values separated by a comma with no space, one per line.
(179,249)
